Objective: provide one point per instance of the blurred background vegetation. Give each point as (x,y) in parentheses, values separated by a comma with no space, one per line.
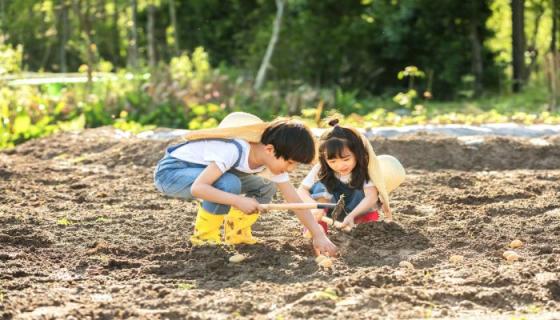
(70,64)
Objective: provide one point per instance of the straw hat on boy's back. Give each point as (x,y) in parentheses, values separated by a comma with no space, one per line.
(239,125)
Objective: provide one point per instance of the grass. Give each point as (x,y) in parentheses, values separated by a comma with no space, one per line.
(185,286)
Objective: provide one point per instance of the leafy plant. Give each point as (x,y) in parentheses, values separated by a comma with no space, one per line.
(10,58)
(407,99)
(185,286)
(63,222)
(327,293)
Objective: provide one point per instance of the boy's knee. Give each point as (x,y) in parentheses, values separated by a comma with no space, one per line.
(268,190)
(229,183)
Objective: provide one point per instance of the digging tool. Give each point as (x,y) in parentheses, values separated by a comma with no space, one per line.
(337,208)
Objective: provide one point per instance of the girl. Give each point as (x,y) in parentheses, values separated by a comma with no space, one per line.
(344,170)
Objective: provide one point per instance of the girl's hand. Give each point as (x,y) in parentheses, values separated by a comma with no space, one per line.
(247,205)
(348,222)
(388,215)
(323,245)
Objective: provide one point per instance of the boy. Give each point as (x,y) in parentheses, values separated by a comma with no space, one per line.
(218,165)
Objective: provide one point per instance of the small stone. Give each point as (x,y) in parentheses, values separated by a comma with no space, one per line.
(511,256)
(320,258)
(237,258)
(456,258)
(324,261)
(466,304)
(516,244)
(406,264)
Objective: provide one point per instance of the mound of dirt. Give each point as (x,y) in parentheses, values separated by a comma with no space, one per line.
(433,152)
(84,234)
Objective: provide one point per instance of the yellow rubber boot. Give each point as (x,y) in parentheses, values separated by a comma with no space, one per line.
(237,229)
(207,228)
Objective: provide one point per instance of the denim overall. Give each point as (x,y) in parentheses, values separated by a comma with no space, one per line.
(352,197)
(174,178)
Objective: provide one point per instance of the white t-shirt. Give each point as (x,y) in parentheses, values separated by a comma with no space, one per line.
(224,154)
(313,176)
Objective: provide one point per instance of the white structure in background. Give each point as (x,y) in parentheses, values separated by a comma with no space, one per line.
(464,131)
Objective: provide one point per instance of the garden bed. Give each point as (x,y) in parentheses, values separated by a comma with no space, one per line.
(84,234)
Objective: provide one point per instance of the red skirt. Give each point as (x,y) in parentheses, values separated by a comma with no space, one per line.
(371,216)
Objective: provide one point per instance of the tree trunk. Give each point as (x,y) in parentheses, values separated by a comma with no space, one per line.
(552,64)
(85,26)
(518,43)
(477,64)
(90,55)
(151,36)
(2,13)
(63,35)
(101,9)
(552,57)
(46,56)
(532,47)
(116,36)
(133,37)
(261,75)
(173,15)
(554,26)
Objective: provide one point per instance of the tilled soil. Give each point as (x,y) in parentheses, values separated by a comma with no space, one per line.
(85,235)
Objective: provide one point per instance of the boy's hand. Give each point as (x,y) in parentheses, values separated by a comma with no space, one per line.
(322,244)
(247,205)
(318,214)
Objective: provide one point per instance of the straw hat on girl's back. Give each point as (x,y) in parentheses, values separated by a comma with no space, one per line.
(385,171)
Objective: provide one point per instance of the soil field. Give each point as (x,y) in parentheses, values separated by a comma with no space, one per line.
(85,235)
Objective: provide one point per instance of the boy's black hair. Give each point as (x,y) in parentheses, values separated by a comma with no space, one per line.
(331,145)
(291,140)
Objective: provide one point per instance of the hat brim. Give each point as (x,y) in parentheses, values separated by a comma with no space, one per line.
(250,133)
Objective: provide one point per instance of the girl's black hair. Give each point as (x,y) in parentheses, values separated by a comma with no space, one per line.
(331,145)
(292,140)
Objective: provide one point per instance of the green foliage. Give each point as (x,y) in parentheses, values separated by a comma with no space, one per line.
(131,126)
(406,99)
(27,113)
(190,71)
(382,117)
(190,93)
(10,58)
(354,45)
(347,101)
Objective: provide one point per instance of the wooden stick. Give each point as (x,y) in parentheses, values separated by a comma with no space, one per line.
(296,206)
